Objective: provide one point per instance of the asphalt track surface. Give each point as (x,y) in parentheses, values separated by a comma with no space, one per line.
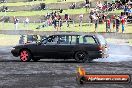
(62,73)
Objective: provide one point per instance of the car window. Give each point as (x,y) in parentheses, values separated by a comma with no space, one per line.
(81,39)
(68,39)
(64,39)
(89,40)
(73,39)
(44,41)
(51,40)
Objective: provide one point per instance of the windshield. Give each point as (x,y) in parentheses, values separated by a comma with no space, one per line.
(102,40)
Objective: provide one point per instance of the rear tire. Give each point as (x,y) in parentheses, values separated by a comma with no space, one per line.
(25,56)
(80,56)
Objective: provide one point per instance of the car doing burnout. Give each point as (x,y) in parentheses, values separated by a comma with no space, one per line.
(79,47)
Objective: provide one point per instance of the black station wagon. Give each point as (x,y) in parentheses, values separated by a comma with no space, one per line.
(64,46)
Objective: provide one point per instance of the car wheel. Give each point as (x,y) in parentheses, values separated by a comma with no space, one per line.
(25,56)
(80,56)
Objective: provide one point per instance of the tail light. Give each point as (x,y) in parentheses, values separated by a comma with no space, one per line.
(100,48)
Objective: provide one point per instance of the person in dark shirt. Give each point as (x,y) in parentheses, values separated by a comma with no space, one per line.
(96,21)
(117,23)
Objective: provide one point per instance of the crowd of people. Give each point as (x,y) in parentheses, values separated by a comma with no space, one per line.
(97,17)
(110,6)
(109,20)
(55,19)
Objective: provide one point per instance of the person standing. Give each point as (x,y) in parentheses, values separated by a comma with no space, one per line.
(114,22)
(67,19)
(108,25)
(26,23)
(80,19)
(96,21)
(117,23)
(87,5)
(59,20)
(55,23)
(123,24)
(16,21)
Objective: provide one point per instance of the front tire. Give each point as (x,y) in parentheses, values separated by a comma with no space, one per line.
(80,56)
(25,56)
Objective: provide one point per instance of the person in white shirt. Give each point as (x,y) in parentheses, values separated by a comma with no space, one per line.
(26,23)
(99,5)
(80,19)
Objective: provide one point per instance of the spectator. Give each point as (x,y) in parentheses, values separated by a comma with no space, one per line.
(55,23)
(129,2)
(129,18)
(114,21)
(16,21)
(96,21)
(73,5)
(61,10)
(49,21)
(87,5)
(109,7)
(99,5)
(91,15)
(123,24)
(21,40)
(108,25)
(26,23)
(103,18)
(80,19)
(67,19)
(59,21)
(117,23)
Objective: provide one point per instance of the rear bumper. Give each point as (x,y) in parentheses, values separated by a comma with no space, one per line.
(98,54)
(104,55)
(15,52)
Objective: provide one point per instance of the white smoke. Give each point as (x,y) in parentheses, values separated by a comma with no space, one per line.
(118,53)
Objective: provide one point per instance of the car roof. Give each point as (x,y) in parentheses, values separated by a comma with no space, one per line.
(73,34)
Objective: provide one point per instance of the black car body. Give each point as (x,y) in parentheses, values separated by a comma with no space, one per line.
(68,46)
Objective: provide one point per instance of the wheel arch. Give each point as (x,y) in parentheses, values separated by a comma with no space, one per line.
(25,49)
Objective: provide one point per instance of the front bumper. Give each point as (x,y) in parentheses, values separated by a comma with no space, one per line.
(15,52)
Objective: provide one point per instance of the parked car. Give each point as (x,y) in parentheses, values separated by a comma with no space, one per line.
(79,47)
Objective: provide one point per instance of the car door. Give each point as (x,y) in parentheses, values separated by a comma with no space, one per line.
(66,46)
(47,48)
(90,45)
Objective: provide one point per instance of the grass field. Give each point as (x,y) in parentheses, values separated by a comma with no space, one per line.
(9,40)
(43,12)
(37,2)
(85,27)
